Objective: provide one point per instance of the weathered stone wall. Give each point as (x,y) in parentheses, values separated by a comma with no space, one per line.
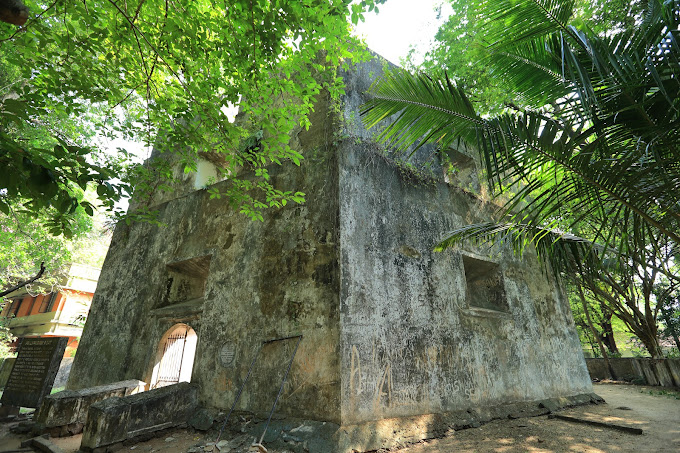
(266,280)
(63,373)
(388,328)
(61,411)
(410,342)
(119,418)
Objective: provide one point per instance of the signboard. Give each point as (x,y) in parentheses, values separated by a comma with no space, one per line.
(34,371)
(227,354)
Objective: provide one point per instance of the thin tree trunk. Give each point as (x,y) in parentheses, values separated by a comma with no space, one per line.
(677,341)
(671,326)
(651,344)
(603,351)
(608,330)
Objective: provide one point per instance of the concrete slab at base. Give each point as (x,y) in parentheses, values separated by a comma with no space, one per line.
(323,437)
(390,433)
(69,407)
(120,418)
(43,444)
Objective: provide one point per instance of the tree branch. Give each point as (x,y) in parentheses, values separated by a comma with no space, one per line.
(27,282)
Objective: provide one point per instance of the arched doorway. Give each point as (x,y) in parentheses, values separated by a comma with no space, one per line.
(175,356)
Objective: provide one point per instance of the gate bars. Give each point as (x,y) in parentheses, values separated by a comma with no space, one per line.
(170,367)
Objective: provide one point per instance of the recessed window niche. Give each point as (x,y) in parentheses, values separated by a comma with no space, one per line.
(186,281)
(461,170)
(485,288)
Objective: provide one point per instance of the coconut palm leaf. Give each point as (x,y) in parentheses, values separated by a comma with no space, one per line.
(420,110)
(562,250)
(534,72)
(525,20)
(604,152)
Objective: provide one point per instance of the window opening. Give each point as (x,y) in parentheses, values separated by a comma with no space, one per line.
(485,287)
(48,302)
(186,281)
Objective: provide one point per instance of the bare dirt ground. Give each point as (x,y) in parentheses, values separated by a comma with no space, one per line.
(653,409)
(658,414)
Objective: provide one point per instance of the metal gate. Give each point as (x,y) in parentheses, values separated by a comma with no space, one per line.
(171,362)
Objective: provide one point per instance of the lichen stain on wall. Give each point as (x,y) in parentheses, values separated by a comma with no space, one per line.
(401,302)
(387,328)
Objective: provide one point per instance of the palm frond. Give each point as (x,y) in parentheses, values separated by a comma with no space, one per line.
(533,72)
(420,110)
(567,166)
(603,159)
(509,23)
(558,250)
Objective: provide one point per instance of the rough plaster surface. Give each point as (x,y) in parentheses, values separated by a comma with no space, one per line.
(409,342)
(387,329)
(266,280)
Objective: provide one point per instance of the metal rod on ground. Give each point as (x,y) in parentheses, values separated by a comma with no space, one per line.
(627,429)
(238,395)
(290,364)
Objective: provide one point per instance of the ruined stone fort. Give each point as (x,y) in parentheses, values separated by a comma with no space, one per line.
(395,337)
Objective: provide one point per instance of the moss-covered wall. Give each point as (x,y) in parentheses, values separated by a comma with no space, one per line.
(264,280)
(389,329)
(412,340)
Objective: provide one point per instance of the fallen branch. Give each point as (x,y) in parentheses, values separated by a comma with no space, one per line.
(626,429)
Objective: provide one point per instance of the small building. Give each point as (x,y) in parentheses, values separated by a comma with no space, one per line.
(392,331)
(60,312)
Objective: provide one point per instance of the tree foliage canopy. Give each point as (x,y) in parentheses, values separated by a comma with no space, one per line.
(26,242)
(163,72)
(460,46)
(583,138)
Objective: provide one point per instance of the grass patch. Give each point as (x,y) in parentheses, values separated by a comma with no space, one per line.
(667,393)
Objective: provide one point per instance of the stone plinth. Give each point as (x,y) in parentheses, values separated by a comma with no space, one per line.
(117,419)
(70,407)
